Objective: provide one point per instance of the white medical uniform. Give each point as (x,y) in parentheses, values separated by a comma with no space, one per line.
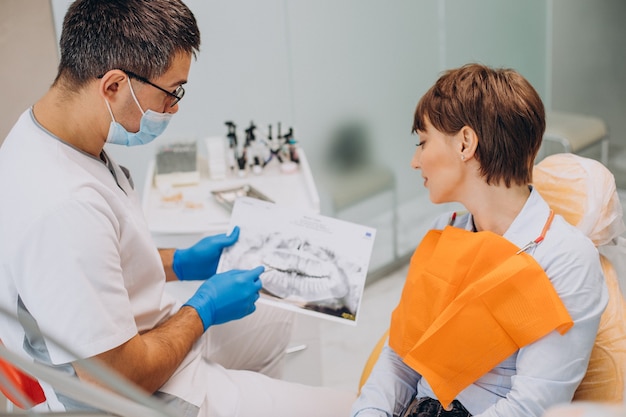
(77,257)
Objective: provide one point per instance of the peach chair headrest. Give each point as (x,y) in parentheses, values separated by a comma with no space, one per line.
(583,191)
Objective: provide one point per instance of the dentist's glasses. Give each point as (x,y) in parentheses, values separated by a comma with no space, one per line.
(176,95)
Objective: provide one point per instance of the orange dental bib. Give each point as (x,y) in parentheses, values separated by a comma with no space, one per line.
(468,303)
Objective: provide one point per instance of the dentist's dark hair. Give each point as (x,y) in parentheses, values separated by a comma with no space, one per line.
(141,36)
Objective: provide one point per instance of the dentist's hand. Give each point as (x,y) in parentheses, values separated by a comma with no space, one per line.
(200,261)
(227,296)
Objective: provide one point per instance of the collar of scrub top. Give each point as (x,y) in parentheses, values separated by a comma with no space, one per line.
(530,244)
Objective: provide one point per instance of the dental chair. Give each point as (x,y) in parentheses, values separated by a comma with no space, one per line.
(18,387)
(583,191)
(19,382)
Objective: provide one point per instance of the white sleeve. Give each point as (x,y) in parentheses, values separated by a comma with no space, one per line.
(389,388)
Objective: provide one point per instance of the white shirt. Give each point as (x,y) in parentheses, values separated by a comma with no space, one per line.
(76,251)
(537,376)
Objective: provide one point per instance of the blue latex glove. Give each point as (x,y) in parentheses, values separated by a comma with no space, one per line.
(227,296)
(200,261)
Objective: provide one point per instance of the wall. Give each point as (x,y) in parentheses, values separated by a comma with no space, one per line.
(29,62)
(29,56)
(320,65)
(313,65)
(589,67)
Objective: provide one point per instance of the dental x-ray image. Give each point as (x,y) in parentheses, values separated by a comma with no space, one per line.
(313,264)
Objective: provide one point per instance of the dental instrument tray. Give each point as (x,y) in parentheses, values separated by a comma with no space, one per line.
(227,197)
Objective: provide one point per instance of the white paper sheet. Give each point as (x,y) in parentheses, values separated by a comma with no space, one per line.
(314,264)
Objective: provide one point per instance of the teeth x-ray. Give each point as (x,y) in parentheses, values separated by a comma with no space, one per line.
(311,262)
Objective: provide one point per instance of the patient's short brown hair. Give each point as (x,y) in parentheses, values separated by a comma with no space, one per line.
(502,108)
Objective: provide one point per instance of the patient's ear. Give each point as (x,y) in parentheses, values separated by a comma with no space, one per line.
(468,141)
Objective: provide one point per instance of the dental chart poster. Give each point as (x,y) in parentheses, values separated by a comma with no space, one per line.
(314,264)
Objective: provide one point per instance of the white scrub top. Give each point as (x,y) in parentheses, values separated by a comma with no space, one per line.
(76,254)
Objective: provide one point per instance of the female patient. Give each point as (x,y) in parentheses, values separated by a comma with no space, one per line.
(501,303)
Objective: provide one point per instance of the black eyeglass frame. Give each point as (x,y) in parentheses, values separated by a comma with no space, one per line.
(177,94)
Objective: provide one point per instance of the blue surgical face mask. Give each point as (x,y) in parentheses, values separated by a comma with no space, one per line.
(152,124)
